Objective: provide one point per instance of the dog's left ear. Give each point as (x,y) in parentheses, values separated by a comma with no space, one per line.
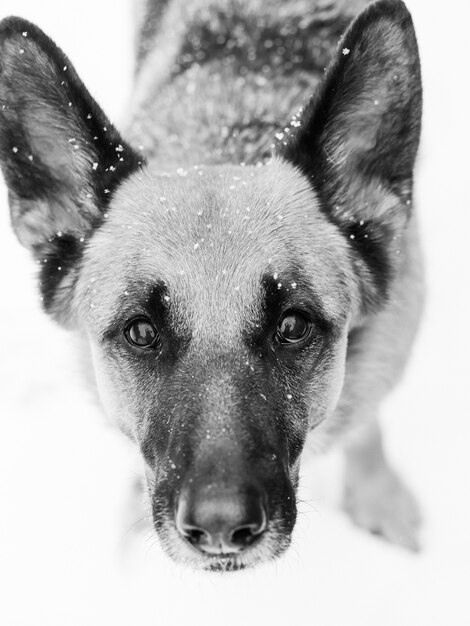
(357,139)
(60,155)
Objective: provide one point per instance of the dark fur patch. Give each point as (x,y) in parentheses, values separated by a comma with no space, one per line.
(288,290)
(152,301)
(262,45)
(366,241)
(56,260)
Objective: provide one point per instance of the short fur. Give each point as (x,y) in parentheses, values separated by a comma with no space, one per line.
(228,207)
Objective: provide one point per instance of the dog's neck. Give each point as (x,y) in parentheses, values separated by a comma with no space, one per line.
(228,78)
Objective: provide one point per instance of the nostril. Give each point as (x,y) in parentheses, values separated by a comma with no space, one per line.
(247,534)
(244,536)
(195,535)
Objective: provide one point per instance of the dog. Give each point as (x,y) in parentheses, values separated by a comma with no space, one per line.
(242,272)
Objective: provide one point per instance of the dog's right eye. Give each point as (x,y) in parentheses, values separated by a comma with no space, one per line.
(293,327)
(141,333)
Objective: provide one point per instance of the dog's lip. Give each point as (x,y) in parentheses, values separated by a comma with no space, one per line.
(225,561)
(222,562)
(207,556)
(224,565)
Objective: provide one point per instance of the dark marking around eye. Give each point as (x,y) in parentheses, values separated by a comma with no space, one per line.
(145,309)
(289,306)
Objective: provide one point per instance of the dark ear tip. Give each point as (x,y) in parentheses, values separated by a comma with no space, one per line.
(396,8)
(13,26)
(377,23)
(394,11)
(18,30)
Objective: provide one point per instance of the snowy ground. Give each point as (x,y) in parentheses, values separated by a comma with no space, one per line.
(67,554)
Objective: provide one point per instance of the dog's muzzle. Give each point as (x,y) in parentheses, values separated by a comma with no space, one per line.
(221,520)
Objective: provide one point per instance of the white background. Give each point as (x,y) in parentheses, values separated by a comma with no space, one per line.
(67,554)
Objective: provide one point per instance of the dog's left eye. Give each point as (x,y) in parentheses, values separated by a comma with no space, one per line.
(141,333)
(293,327)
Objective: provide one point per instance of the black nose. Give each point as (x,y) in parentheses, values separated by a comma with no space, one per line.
(221,520)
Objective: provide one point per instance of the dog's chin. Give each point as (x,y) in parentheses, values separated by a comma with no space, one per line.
(224,563)
(269,547)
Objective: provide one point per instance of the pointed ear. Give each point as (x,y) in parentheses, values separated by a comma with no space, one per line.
(357,138)
(60,155)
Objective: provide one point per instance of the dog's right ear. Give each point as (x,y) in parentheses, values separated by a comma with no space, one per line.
(357,138)
(60,155)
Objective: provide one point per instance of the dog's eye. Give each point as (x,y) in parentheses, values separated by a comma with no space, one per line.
(140,332)
(293,327)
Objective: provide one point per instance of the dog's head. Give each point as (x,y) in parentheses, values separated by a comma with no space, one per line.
(217,301)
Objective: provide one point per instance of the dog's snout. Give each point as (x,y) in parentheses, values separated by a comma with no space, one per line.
(221,521)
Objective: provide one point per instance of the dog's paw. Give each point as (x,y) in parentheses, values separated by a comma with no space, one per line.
(381,503)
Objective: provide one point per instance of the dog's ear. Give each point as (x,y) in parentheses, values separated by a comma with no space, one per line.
(357,138)
(60,155)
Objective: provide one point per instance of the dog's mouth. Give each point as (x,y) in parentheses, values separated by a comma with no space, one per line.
(226,563)
(230,562)
(269,547)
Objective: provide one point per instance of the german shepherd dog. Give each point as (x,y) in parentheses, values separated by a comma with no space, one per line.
(242,272)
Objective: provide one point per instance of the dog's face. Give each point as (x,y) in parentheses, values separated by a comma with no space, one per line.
(238,290)
(216,300)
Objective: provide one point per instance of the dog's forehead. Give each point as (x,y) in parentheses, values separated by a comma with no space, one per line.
(210,235)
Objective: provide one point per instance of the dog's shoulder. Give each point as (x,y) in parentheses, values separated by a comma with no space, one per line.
(262,59)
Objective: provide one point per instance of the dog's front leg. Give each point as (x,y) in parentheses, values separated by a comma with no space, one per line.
(374,496)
